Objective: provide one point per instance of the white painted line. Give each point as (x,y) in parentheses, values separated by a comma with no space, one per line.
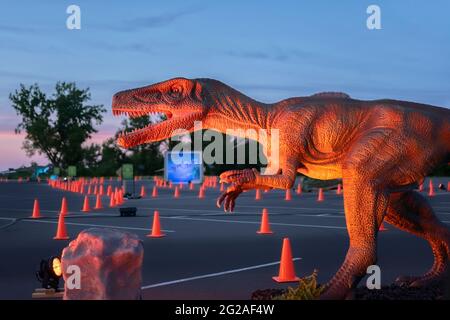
(211,275)
(92,225)
(219,212)
(10,219)
(257,222)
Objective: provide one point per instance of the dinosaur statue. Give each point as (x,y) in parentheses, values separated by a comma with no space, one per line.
(381,149)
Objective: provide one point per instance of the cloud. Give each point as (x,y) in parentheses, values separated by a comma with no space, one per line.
(16,29)
(155,21)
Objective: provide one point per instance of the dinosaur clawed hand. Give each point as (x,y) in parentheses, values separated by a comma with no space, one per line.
(239,177)
(239,180)
(228,198)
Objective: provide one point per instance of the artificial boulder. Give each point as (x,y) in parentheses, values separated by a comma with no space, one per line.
(109,262)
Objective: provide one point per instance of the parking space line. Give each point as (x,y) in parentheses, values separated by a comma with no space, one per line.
(211,275)
(93,225)
(256,222)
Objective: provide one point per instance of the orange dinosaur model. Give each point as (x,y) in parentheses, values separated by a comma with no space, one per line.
(381,149)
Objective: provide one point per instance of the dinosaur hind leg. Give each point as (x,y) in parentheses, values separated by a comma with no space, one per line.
(411,212)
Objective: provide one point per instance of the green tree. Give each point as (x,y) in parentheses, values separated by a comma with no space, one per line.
(146,158)
(57,126)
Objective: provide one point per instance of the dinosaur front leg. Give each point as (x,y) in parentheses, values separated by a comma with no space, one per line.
(251,179)
(365,205)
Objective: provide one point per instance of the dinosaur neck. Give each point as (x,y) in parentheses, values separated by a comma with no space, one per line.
(233,110)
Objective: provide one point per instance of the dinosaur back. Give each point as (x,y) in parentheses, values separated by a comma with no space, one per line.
(331,95)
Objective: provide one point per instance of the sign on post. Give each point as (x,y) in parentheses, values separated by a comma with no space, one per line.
(72,171)
(127,172)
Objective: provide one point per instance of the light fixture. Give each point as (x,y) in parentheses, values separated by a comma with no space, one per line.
(49,273)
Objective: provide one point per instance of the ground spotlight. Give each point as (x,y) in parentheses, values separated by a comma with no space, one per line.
(49,273)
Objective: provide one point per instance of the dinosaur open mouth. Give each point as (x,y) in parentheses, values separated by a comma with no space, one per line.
(164,123)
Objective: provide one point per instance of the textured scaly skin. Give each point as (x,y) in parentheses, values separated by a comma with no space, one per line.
(381,149)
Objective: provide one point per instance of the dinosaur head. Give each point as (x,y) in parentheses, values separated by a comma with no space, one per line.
(179,99)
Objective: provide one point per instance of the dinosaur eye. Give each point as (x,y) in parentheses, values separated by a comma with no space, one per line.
(176,91)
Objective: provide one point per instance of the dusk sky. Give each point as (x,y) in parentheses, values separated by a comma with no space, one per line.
(269,50)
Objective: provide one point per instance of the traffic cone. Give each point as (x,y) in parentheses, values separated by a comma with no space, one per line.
(101,191)
(154,192)
(265,226)
(286,272)
(89,191)
(64,209)
(36,211)
(95,190)
(191,186)
(288,196)
(86,204)
(116,197)
(258,194)
(142,192)
(382,227)
(299,188)
(112,201)
(98,202)
(156,228)
(176,193)
(109,191)
(201,193)
(431,189)
(448,186)
(61,232)
(421,187)
(320,196)
(339,189)
(222,187)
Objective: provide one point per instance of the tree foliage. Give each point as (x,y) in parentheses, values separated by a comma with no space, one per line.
(58,125)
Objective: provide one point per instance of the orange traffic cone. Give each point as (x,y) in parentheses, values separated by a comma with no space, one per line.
(382,227)
(86,204)
(320,196)
(61,232)
(98,202)
(201,193)
(101,191)
(112,201)
(448,186)
(421,187)
(89,190)
(109,191)
(36,211)
(176,193)
(339,189)
(258,194)
(265,226)
(156,228)
(64,209)
(191,186)
(299,188)
(154,192)
(116,197)
(431,189)
(287,271)
(288,196)
(142,192)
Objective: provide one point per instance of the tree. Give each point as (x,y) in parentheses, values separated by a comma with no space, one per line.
(146,158)
(59,125)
